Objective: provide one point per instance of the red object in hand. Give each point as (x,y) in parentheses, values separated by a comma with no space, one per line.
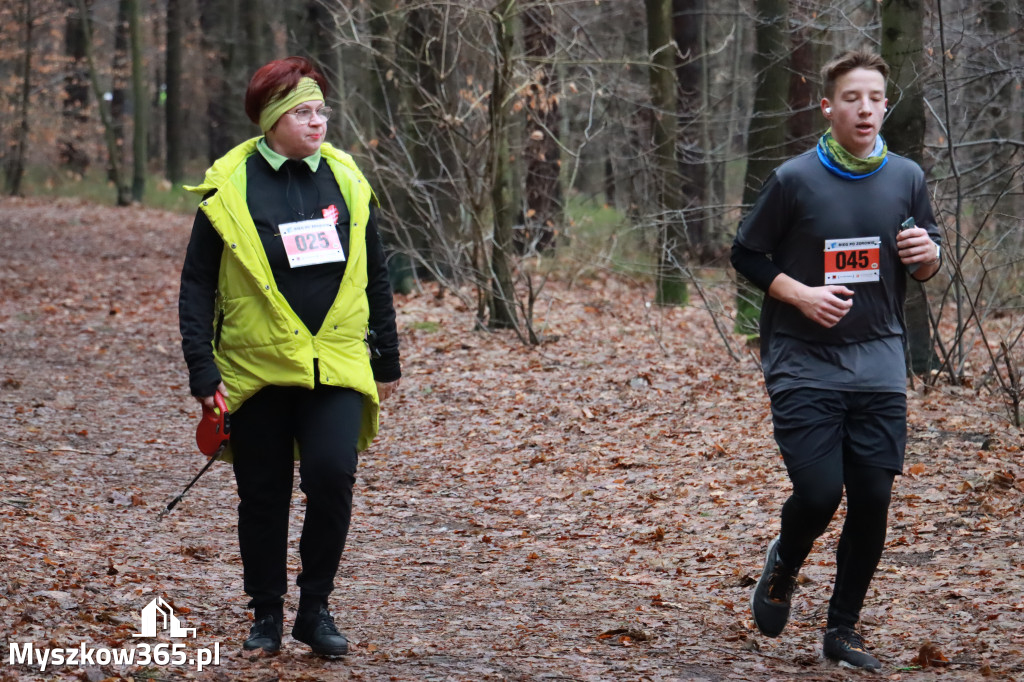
(214,428)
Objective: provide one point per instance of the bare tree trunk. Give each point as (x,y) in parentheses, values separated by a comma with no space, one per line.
(671,285)
(173,104)
(380,124)
(502,299)
(214,22)
(544,197)
(428,128)
(384,93)
(238,39)
(803,125)
(140,103)
(123,192)
(903,49)
(732,135)
(15,166)
(76,97)
(311,32)
(1004,118)
(693,167)
(766,137)
(119,78)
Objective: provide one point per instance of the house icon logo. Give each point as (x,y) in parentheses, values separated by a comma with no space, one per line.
(158,614)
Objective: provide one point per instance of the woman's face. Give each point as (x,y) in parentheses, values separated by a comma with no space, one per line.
(294,138)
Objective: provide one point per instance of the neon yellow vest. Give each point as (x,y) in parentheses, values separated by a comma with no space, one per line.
(262,342)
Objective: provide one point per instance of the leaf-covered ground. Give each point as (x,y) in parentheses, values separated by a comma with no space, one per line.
(593,509)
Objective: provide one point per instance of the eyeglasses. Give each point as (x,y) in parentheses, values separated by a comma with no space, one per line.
(304,114)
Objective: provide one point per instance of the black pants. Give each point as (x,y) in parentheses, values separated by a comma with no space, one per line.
(325,423)
(831,441)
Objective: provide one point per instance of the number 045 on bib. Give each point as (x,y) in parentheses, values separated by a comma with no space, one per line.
(852,261)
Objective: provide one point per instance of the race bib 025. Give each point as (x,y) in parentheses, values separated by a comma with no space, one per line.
(852,261)
(310,242)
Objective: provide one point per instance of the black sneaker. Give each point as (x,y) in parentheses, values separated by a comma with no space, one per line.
(265,634)
(317,629)
(774,591)
(844,646)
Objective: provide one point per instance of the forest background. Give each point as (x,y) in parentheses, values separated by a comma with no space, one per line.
(545,168)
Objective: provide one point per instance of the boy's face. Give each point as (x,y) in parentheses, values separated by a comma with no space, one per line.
(856,110)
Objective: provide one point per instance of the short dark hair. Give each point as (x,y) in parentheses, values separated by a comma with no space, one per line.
(847,62)
(278,78)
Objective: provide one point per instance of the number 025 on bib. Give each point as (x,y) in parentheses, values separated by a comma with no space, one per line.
(852,261)
(311,242)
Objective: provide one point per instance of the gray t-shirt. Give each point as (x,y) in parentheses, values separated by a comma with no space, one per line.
(804,216)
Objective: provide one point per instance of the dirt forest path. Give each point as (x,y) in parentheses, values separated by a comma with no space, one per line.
(596,509)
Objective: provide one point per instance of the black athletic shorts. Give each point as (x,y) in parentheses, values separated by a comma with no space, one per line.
(859,428)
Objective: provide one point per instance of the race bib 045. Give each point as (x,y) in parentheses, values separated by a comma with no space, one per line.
(852,261)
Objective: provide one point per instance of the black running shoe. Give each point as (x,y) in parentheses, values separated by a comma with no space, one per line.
(844,646)
(316,628)
(264,634)
(774,591)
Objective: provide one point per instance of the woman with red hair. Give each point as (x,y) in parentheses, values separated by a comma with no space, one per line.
(286,310)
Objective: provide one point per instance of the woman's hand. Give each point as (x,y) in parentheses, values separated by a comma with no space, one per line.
(386,390)
(208,402)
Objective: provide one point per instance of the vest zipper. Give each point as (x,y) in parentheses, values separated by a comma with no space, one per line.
(217,329)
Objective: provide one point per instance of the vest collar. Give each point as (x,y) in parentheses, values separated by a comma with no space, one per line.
(277,160)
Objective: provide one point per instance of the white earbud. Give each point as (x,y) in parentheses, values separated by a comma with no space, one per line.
(828,110)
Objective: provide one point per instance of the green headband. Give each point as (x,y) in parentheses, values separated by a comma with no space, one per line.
(306,91)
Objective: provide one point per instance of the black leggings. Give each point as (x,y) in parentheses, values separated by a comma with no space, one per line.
(325,423)
(817,492)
